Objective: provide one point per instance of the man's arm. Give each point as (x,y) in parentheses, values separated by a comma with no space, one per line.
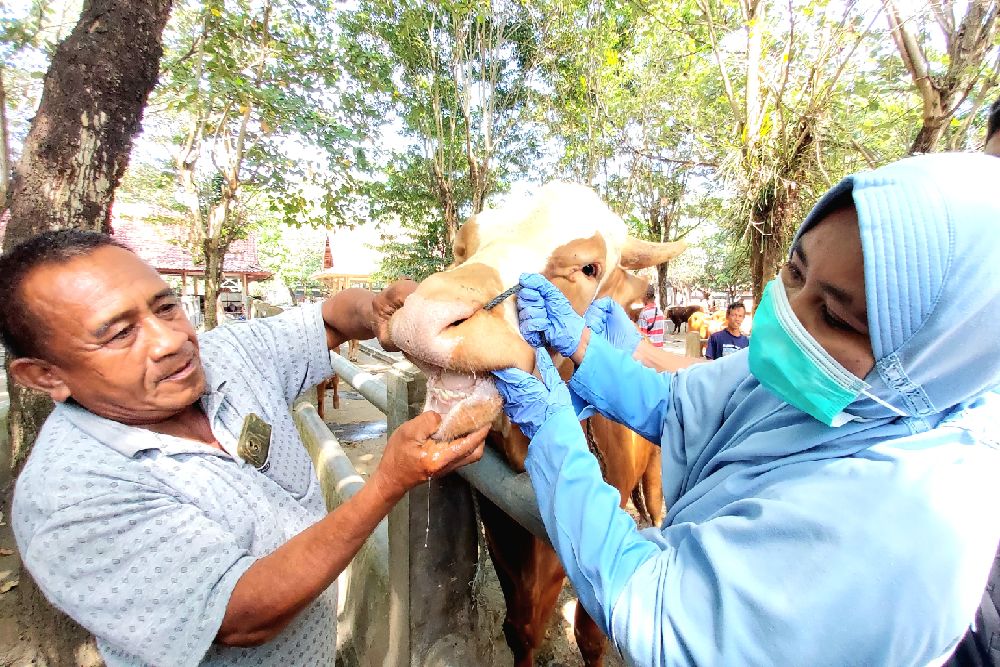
(358,314)
(279,586)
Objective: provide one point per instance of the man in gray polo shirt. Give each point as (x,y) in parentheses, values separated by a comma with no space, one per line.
(138,513)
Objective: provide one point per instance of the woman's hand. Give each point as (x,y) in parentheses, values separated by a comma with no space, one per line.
(528,401)
(608,319)
(546,317)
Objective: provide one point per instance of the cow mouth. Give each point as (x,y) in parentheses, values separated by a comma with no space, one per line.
(465,401)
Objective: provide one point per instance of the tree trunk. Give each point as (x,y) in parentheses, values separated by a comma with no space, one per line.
(74,156)
(661,283)
(4,145)
(91,107)
(928,137)
(214,252)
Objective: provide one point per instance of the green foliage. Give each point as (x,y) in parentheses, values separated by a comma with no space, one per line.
(263,74)
(29,32)
(415,238)
(725,264)
(293,254)
(452,81)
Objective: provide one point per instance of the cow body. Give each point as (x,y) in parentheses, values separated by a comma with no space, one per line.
(679,315)
(570,236)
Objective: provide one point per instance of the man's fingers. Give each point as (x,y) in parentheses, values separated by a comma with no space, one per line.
(471,457)
(422,426)
(459,448)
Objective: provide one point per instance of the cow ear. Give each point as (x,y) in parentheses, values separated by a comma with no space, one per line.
(466,242)
(637,254)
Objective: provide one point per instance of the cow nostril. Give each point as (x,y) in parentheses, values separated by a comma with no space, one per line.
(457,322)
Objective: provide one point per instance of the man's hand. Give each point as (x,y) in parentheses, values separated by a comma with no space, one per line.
(607,318)
(528,401)
(411,457)
(385,303)
(546,317)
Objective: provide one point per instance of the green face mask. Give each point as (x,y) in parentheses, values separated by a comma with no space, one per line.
(789,362)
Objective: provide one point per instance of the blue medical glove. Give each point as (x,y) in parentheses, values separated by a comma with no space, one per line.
(546,317)
(530,402)
(607,318)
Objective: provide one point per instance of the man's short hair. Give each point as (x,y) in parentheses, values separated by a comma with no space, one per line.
(650,293)
(20,330)
(733,306)
(993,120)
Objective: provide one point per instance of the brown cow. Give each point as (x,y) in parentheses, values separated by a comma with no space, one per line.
(568,234)
(679,315)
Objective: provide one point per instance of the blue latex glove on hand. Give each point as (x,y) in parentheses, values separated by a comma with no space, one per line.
(607,318)
(546,317)
(528,401)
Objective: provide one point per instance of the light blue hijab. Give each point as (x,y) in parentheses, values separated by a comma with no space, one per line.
(930,235)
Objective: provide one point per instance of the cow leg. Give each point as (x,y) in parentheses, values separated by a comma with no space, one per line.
(352,349)
(589,638)
(320,399)
(335,383)
(530,577)
(652,487)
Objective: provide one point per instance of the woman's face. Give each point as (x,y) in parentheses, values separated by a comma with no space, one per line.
(825,282)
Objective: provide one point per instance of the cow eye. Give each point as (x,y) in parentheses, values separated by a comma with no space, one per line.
(590,270)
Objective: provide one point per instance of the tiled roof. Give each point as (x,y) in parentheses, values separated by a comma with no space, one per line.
(159,244)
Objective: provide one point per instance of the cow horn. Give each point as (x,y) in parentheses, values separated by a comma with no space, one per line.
(638,254)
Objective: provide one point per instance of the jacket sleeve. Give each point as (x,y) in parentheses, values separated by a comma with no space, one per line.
(815,568)
(622,389)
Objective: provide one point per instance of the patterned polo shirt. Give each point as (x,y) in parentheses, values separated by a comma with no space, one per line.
(141,537)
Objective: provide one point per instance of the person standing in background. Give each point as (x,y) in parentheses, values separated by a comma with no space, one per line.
(651,319)
(730,339)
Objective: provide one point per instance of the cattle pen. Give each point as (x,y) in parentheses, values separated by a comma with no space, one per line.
(408,597)
(416,570)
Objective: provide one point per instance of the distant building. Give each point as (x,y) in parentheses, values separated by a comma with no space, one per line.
(350,259)
(159,244)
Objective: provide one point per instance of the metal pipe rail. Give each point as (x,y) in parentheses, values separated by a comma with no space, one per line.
(337,474)
(510,491)
(381,355)
(367,384)
(491,476)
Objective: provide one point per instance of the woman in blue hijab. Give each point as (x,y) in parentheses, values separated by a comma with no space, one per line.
(833,490)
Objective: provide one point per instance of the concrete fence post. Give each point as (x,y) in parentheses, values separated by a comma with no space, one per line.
(692,344)
(433,555)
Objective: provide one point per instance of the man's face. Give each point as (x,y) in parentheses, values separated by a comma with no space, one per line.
(734,319)
(116,337)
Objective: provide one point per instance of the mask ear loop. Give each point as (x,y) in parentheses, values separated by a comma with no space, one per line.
(884,404)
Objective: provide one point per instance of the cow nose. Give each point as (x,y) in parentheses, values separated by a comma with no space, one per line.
(430,328)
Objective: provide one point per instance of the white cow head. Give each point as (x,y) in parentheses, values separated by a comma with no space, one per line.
(567,234)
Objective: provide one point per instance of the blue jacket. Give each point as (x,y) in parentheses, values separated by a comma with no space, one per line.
(788,542)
